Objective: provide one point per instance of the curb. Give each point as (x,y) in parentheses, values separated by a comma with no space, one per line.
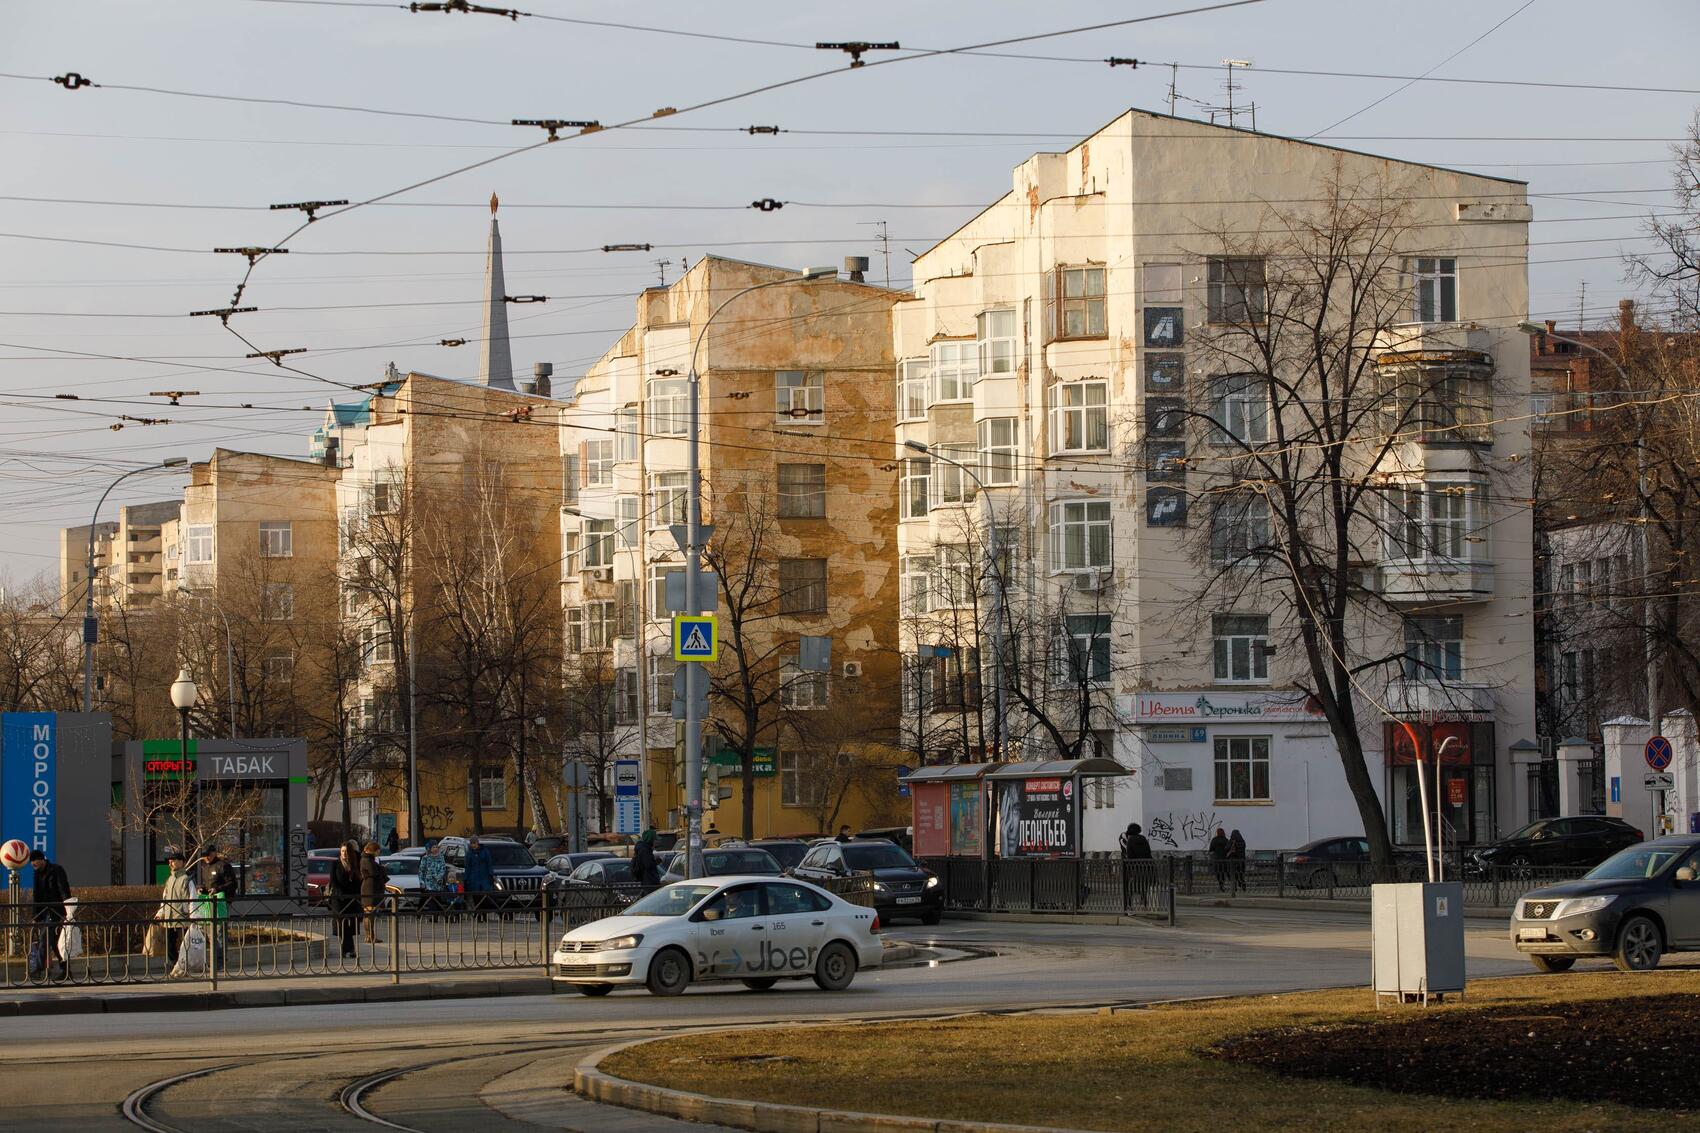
(591,1083)
(271,997)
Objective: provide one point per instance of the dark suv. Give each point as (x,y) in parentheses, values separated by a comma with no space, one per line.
(901,887)
(519,878)
(1585,840)
(1633,907)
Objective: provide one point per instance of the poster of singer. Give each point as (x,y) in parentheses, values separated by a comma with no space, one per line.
(1036,818)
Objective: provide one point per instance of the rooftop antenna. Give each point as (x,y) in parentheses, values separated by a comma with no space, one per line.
(1582,306)
(1174,78)
(884,237)
(1231,86)
(662,266)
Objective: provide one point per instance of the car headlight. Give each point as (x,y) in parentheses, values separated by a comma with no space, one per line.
(1575,905)
(932,881)
(879,887)
(621,943)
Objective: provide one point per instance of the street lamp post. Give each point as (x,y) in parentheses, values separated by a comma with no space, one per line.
(183,696)
(994,567)
(91,624)
(695,536)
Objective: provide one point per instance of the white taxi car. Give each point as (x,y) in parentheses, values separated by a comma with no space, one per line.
(758,930)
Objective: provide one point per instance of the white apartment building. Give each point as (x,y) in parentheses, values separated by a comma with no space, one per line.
(1054,346)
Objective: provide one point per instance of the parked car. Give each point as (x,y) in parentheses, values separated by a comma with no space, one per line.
(1581,841)
(545,846)
(756,929)
(565,864)
(519,879)
(1635,906)
(902,888)
(319,864)
(786,851)
(404,882)
(600,873)
(1329,862)
(745,860)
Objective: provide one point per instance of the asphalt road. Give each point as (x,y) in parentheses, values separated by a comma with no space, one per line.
(501,1064)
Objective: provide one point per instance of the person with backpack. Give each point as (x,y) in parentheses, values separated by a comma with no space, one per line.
(1136,853)
(52,889)
(373,878)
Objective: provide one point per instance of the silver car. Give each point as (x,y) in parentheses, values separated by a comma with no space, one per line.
(403,884)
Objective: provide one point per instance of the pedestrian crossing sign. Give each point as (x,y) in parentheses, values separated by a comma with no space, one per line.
(695,638)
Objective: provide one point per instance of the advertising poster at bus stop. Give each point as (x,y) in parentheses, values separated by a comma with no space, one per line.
(1036,818)
(965,820)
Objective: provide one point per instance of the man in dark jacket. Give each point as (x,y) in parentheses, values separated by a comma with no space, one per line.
(479,877)
(218,881)
(1219,858)
(392,841)
(1136,873)
(52,886)
(373,877)
(644,869)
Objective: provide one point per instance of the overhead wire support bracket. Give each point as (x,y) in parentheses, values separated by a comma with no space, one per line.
(767,204)
(310,207)
(1121,61)
(627,247)
(856,47)
(224,313)
(253,254)
(175,394)
(525,298)
(276,356)
(70,80)
(554,125)
(464,6)
(452,342)
(753,130)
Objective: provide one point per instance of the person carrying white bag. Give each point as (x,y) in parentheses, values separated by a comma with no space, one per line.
(71,935)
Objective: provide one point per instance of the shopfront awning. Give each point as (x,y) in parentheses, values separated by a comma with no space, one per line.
(1057,769)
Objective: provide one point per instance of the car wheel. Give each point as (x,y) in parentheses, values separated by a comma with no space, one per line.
(594,989)
(669,972)
(836,967)
(1321,879)
(932,916)
(1638,945)
(1551,964)
(761,983)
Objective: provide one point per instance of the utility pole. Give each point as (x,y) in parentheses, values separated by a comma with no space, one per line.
(884,237)
(1174,79)
(415,834)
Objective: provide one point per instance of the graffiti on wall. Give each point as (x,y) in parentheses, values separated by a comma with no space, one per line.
(1192,827)
(434,817)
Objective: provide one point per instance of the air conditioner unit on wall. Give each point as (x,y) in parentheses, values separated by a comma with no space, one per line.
(599,574)
(852,668)
(1091,581)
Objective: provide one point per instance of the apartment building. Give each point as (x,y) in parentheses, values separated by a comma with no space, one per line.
(131,563)
(795,406)
(1079,400)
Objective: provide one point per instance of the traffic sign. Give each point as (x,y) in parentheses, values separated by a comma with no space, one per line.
(1658,753)
(695,638)
(1659,781)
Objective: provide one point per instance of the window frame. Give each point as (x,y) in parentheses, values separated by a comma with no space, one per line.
(813,389)
(1228,632)
(909,406)
(999,458)
(794,499)
(1087,521)
(1071,409)
(275,547)
(669,499)
(952,482)
(1426,534)
(914,495)
(1239,543)
(1085,639)
(806,596)
(194,536)
(965,357)
(599,463)
(601,624)
(598,540)
(487,782)
(667,401)
(1242,410)
(1434,657)
(277,602)
(1224,761)
(1432,301)
(994,348)
(1059,304)
(1249,298)
(793,681)
(915,573)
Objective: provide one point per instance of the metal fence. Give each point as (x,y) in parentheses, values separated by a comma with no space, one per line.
(1056,885)
(128,942)
(1276,875)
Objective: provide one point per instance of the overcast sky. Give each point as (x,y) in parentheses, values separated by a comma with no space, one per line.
(849,143)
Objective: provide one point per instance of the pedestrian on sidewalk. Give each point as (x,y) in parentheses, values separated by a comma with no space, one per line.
(1236,860)
(176,904)
(52,888)
(373,878)
(1219,858)
(433,880)
(345,894)
(843,834)
(644,869)
(1136,866)
(392,842)
(218,880)
(479,876)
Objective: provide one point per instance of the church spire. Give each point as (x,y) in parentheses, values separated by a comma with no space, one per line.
(495,359)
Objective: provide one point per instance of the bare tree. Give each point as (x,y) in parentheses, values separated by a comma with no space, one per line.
(590,711)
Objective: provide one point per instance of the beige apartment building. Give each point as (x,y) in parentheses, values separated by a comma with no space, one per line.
(130,564)
(797,484)
(1086,347)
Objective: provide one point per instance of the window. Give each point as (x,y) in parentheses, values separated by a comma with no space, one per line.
(375,646)
(598,543)
(625,696)
(669,498)
(796,786)
(487,789)
(1442,403)
(627,508)
(384,499)
(625,604)
(1242,769)
(569,477)
(952,483)
(599,624)
(1239,527)
(1242,411)
(915,583)
(956,583)
(277,602)
(571,551)
(997,341)
(628,435)
(913,378)
(661,684)
(1085,649)
(1074,303)
(1080,535)
(200,544)
(953,680)
(915,477)
(799,397)
(1434,289)
(802,586)
(658,573)
(1431,521)
(280,668)
(798,689)
(670,407)
(1236,292)
(1080,417)
(954,366)
(802,491)
(1434,648)
(277,540)
(1000,447)
(598,463)
(575,631)
(1242,648)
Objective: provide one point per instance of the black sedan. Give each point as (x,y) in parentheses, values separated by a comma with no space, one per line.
(1634,907)
(901,887)
(1584,840)
(1330,862)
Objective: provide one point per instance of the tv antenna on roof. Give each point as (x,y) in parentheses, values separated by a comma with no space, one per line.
(1231,86)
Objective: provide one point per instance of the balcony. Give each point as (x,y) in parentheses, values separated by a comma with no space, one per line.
(1409,699)
(1427,580)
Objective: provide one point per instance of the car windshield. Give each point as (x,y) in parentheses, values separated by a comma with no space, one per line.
(787,854)
(401,867)
(739,861)
(1528,831)
(876,855)
(1636,862)
(507,855)
(670,901)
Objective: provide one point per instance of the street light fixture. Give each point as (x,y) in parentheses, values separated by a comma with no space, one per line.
(91,624)
(183,697)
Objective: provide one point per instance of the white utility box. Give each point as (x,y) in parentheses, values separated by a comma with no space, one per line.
(1417,939)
